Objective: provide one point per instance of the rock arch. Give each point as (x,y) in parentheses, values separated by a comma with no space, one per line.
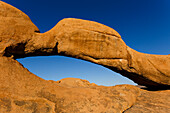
(22,91)
(81,39)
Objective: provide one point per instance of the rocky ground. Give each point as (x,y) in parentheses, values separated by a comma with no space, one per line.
(24,92)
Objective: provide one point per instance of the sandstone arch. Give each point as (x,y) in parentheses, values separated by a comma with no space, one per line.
(82,39)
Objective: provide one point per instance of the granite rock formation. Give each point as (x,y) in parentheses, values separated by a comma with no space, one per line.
(80,39)
(22,91)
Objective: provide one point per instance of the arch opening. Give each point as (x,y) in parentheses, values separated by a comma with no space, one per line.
(59,67)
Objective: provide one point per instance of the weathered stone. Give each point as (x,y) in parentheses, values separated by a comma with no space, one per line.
(81,39)
(22,91)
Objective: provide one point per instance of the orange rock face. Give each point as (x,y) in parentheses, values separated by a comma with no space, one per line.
(23,92)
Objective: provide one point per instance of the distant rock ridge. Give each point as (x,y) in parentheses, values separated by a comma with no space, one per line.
(22,91)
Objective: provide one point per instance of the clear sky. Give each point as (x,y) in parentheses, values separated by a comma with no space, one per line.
(143,24)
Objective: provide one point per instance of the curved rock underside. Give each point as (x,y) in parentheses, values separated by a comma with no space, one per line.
(22,91)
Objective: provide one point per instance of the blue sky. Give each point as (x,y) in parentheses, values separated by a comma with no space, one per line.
(143,24)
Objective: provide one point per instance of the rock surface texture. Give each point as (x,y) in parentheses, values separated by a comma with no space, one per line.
(23,92)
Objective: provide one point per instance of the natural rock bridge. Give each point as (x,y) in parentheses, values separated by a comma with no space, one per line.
(81,39)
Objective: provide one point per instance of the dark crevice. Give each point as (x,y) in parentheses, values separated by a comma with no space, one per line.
(37,31)
(128,108)
(18,51)
(15,51)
